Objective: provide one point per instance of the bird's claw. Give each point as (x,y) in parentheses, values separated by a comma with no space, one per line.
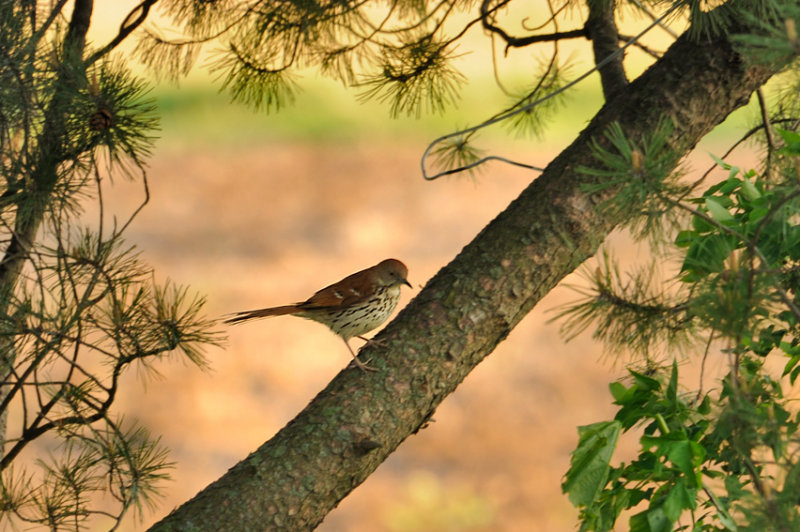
(372,341)
(363,366)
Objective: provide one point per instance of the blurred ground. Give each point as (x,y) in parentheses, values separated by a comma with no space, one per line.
(271,224)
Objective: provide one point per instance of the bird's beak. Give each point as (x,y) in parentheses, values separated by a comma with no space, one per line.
(405,282)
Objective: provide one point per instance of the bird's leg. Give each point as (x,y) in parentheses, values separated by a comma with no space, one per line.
(372,341)
(359,364)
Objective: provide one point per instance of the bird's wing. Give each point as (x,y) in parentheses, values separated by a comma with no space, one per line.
(348,291)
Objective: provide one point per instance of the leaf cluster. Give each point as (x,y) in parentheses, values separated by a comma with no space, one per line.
(724,459)
(742,254)
(722,462)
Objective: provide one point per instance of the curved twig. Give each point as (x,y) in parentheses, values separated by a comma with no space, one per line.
(736,144)
(134,19)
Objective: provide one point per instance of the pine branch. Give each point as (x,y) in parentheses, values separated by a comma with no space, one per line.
(135,18)
(519,42)
(635,314)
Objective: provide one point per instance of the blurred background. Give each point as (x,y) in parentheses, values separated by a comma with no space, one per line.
(256,210)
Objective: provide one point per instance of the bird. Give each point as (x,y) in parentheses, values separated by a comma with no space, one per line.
(350,308)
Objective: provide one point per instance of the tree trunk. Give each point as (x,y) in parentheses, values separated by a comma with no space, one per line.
(602,31)
(43,179)
(292,481)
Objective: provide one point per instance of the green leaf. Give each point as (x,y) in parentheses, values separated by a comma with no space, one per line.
(695,454)
(701,225)
(717,211)
(618,391)
(658,520)
(638,523)
(749,190)
(589,465)
(680,454)
(704,407)
(788,317)
(680,498)
(722,164)
(757,214)
(707,255)
(792,140)
(791,367)
(685,238)
(729,186)
(672,386)
(722,511)
(643,381)
(651,520)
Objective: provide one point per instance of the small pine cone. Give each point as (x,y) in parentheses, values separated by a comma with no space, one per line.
(100,119)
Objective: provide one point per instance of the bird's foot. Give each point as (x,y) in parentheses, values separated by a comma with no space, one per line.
(365,367)
(360,365)
(372,341)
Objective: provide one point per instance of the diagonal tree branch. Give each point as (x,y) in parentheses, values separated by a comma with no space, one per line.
(292,481)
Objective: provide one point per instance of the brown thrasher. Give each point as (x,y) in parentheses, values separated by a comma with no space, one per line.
(355,305)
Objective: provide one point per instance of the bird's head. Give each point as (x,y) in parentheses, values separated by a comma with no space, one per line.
(392,272)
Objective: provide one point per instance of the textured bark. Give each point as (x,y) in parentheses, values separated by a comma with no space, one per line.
(292,481)
(602,30)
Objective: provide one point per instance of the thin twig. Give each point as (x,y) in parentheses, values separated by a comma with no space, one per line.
(646,49)
(743,139)
(552,18)
(762,105)
(652,16)
(531,105)
(134,19)
(703,366)
(487,159)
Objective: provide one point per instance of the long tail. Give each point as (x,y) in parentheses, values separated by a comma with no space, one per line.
(247,315)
